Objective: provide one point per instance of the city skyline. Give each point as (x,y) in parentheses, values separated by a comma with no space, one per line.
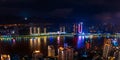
(59,30)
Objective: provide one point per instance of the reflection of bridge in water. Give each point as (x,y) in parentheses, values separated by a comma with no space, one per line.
(66,34)
(41,41)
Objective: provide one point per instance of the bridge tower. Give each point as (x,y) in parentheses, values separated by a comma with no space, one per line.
(77,28)
(38,30)
(31,31)
(34,29)
(62,29)
(80,27)
(45,30)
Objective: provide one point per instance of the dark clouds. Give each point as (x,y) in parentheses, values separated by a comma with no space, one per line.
(93,10)
(109,17)
(61,12)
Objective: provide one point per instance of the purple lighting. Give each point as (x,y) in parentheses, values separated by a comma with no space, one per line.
(80,42)
(80,27)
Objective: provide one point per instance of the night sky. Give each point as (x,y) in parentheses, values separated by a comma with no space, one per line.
(64,11)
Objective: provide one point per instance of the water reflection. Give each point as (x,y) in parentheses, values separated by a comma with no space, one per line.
(51,40)
(80,42)
(45,41)
(13,41)
(26,46)
(35,43)
(38,43)
(60,41)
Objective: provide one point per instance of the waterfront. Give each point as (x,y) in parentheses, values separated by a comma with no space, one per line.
(59,30)
(24,47)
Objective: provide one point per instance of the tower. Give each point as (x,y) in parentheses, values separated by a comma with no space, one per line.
(38,30)
(75,28)
(80,27)
(63,28)
(30,30)
(45,30)
(34,30)
(60,29)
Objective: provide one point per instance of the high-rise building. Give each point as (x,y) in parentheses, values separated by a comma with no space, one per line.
(107,48)
(51,51)
(45,30)
(31,30)
(63,29)
(60,29)
(65,53)
(60,53)
(38,30)
(34,30)
(5,57)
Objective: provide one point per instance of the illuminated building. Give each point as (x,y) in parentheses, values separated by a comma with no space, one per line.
(34,30)
(63,28)
(60,53)
(45,30)
(107,48)
(115,42)
(69,53)
(31,30)
(51,51)
(38,30)
(5,57)
(60,29)
(119,55)
(80,27)
(36,55)
(65,53)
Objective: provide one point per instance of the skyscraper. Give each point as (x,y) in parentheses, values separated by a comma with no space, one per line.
(107,48)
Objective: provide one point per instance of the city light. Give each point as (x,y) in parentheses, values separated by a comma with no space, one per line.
(5,57)
(36,51)
(26,18)
(60,30)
